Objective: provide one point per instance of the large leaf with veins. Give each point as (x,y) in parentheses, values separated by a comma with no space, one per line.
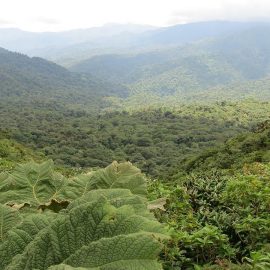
(9,218)
(106,224)
(116,175)
(33,184)
(19,236)
(134,252)
(81,226)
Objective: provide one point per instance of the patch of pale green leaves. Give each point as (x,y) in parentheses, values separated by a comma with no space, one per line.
(102,220)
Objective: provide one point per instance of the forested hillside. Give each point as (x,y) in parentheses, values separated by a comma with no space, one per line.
(243,149)
(12,152)
(184,70)
(35,80)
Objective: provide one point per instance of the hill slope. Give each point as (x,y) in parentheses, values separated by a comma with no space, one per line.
(234,58)
(245,148)
(12,152)
(29,79)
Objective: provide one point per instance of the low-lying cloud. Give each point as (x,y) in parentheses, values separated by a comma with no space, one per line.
(248,10)
(51,15)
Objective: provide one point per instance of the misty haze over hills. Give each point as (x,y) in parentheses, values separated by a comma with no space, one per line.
(72,46)
(181,61)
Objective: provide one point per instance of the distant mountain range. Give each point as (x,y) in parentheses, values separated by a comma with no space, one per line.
(201,61)
(69,44)
(232,58)
(70,47)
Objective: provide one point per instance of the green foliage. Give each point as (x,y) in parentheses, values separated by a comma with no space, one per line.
(259,260)
(104,225)
(12,153)
(206,245)
(157,141)
(8,219)
(218,219)
(247,198)
(243,149)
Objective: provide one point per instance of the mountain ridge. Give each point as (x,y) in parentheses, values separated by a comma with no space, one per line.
(235,58)
(35,78)
(69,46)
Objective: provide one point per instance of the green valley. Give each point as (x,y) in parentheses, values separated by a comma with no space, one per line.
(132,147)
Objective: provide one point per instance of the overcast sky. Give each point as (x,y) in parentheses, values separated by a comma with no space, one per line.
(56,15)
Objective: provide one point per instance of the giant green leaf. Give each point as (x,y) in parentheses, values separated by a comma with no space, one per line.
(21,235)
(33,184)
(80,227)
(107,224)
(116,197)
(8,219)
(68,267)
(117,175)
(124,252)
(134,251)
(38,185)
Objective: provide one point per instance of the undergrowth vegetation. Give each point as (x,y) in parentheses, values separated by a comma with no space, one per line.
(217,219)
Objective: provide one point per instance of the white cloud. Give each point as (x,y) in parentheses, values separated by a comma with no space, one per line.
(55,15)
(237,10)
